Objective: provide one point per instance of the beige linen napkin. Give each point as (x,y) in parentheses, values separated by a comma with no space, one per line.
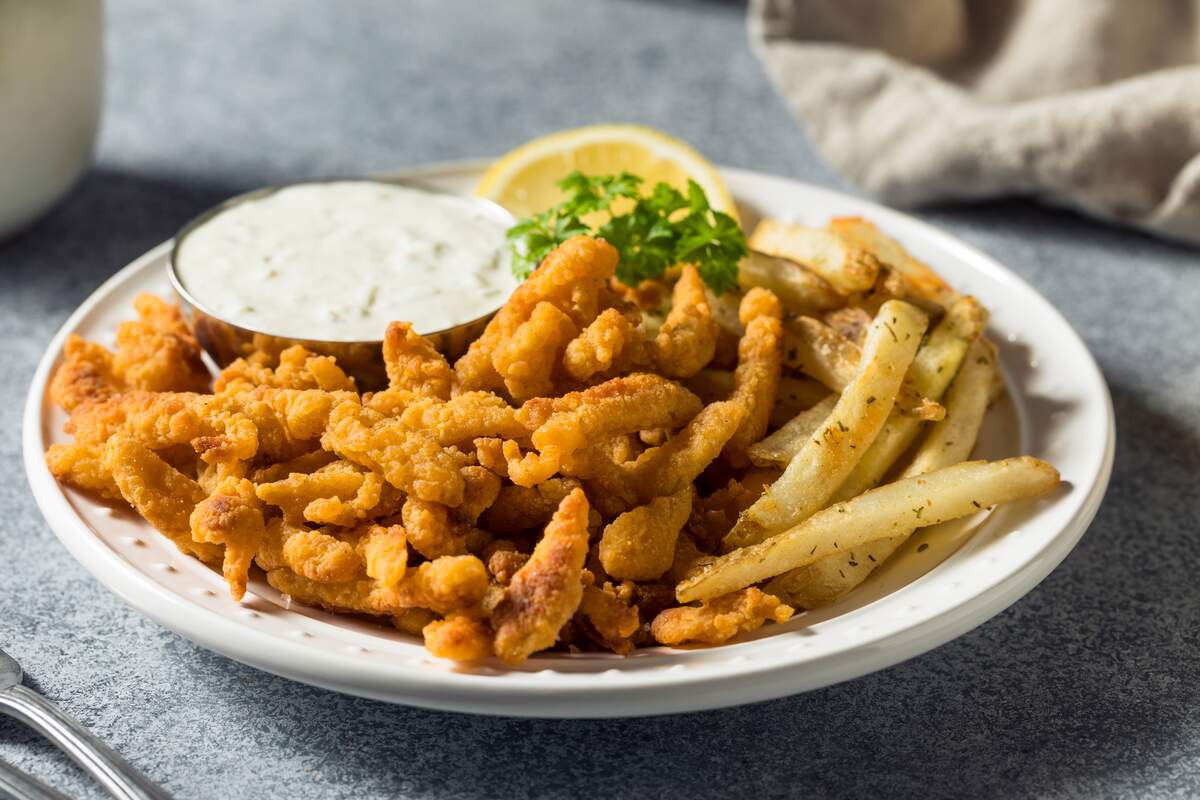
(1093,104)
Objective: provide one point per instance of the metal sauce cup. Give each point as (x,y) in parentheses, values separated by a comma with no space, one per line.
(227,341)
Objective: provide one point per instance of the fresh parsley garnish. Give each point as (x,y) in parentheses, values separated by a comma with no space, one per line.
(657,231)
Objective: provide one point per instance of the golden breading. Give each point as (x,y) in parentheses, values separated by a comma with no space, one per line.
(688,339)
(527,359)
(163,495)
(433,530)
(612,342)
(469,416)
(640,544)
(760,359)
(86,375)
(157,352)
(305,464)
(82,466)
(570,278)
(414,364)
(384,551)
(232,516)
(320,557)
(339,493)
(410,460)
(413,620)
(458,637)
(481,487)
(298,368)
(566,424)
(609,619)
(545,593)
(448,584)
(519,508)
(504,562)
(720,619)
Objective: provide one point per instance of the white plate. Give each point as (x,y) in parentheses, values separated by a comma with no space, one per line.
(1058,408)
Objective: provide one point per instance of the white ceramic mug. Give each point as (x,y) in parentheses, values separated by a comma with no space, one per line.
(51,79)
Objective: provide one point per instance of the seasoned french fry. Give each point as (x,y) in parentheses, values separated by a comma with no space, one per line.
(930,374)
(781,446)
(847,266)
(818,350)
(920,277)
(925,500)
(796,287)
(827,458)
(947,443)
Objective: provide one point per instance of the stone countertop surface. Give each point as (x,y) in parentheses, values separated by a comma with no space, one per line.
(1085,688)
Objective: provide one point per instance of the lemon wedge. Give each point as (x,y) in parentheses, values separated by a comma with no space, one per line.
(525,180)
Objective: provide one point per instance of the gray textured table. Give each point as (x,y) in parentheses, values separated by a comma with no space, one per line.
(1087,687)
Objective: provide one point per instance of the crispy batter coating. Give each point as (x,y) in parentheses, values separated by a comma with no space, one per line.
(86,375)
(527,359)
(414,364)
(688,339)
(433,530)
(545,593)
(82,466)
(570,278)
(163,495)
(519,508)
(469,416)
(384,551)
(157,352)
(760,359)
(448,584)
(611,343)
(232,516)
(572,422)
(298,368)
(339,493)
(410,460)
(458,637)
(720,619)
(640,544)
(413,620)
(608,618)
(321,557)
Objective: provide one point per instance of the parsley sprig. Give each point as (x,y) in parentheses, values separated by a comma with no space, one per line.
(663,228)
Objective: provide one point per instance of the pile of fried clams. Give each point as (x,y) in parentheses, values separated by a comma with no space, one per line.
(547,491)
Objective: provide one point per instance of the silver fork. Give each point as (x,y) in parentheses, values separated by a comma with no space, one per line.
(17,785)
(113,772)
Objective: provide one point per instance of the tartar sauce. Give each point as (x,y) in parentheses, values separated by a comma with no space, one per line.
(338,261)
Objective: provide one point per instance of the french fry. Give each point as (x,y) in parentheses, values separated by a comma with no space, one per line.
(947,494)
(781,446)
(845,265)
(930,374)
(947,443)
(816,349)
(828,457)
(796,287)
(920,277)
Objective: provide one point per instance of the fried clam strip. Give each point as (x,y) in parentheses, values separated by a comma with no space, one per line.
(414,364)
(157,352)
(464,418)
(826,458)
(519,508)
(607,617)
(563,425)
(640,544)
(297,368)
(816,349)
(231,516)
(86,375)
(718,620)
(760,355)
(947,443)
(930,374)
(340,493)
(665,469)
(545,593)
(881,513)
(82,466)
(846,265)
(411,460)
(528,359)
(687,339)
(161,494)
(613,342)
(570,278)
(458,637)
(444,585)
(794,394)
